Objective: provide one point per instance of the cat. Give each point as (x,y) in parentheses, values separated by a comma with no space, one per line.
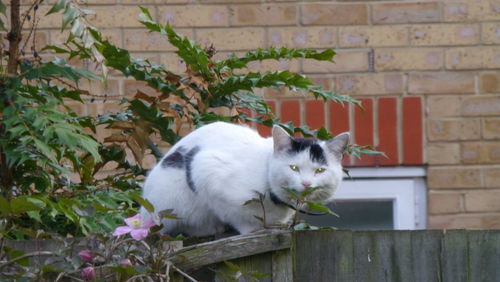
(208,177)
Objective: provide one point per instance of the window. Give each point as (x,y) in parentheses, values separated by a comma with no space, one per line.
(378,198)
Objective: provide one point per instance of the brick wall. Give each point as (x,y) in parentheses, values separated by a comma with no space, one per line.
(427,73)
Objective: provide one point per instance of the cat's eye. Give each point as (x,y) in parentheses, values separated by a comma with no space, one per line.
(294,167)
(320,170)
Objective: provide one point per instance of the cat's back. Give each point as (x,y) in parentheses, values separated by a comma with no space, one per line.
(224,136)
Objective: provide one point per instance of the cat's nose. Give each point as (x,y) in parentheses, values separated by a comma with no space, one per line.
(306,184)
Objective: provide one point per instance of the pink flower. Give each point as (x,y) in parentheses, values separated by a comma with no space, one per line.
(85,256)
(137,229)
(88,273)
(125,262)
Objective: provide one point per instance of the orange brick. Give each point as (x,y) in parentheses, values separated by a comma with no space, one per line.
(112,35)
(491,128)
(469,11)
(444,106)
(484,105)
(198,16)
(408,59)
(132,86)
(470,58)
(226,1)
(490,33)
(365,84)
(142,40)
(405,12)
(482,201)
(492,177)
(444,34)
(455,222)
(491,222)
(373,36)
(232,39)
(263,14)
(273,65)
(173,62)
(489,82)
(480,153)
(441,83)
(50,21)
(443,203)
(453,129)
(117,16)
(451,177)
(443,153)
(345,61)
(110,88)
(334,14)
(303,37)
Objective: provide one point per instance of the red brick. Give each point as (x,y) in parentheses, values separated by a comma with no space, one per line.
(387,131)
(315,114)
(412,131)
(339,118)
(363,124)
(290,111)
(263,130)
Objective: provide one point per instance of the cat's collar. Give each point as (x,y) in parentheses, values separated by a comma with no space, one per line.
(277,201)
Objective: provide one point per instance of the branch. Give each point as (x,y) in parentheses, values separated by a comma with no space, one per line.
(14,37)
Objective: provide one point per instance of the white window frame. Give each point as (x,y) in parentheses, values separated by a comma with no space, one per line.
(404,186)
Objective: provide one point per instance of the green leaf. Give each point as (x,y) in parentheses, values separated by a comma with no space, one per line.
(45,149)
(273,53)
(69,15)
(4,206)
(22,204)
(144,202)
(3,8)
(58,6)
(319,207)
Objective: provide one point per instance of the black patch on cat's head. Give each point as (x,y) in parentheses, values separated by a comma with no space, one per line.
(317,154)
(175,159)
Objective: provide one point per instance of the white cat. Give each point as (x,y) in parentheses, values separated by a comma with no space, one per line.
(209,175)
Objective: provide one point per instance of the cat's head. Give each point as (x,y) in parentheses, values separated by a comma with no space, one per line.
(300,164)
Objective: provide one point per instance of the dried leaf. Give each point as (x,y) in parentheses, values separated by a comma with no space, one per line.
(122,125)
(118,137)
(143,96)
(172,77)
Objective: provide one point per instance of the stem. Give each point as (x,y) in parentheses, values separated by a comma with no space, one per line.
(14,37)
(183,273)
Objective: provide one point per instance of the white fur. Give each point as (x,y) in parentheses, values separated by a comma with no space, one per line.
(233,164)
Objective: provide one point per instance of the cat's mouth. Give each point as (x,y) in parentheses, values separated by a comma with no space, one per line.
(296,200)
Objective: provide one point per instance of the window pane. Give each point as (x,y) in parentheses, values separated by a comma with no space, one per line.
(356,215)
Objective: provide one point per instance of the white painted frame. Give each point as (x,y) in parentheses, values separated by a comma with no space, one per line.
(404,186)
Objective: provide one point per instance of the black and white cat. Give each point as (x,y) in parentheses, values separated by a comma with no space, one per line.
(208,176)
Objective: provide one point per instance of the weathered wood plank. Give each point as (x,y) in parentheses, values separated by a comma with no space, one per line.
(454,256)
(282,268)
(425,254)
(484,255)
(196,256)
(323,256)
(257,267)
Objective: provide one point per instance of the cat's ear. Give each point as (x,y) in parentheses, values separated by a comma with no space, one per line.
(337,144)
(281,139)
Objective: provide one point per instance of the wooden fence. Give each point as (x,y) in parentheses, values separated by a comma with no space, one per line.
(343,256)
(339,256)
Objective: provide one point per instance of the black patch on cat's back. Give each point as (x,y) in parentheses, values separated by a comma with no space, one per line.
(188,159)
(317,153)
(175,159)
